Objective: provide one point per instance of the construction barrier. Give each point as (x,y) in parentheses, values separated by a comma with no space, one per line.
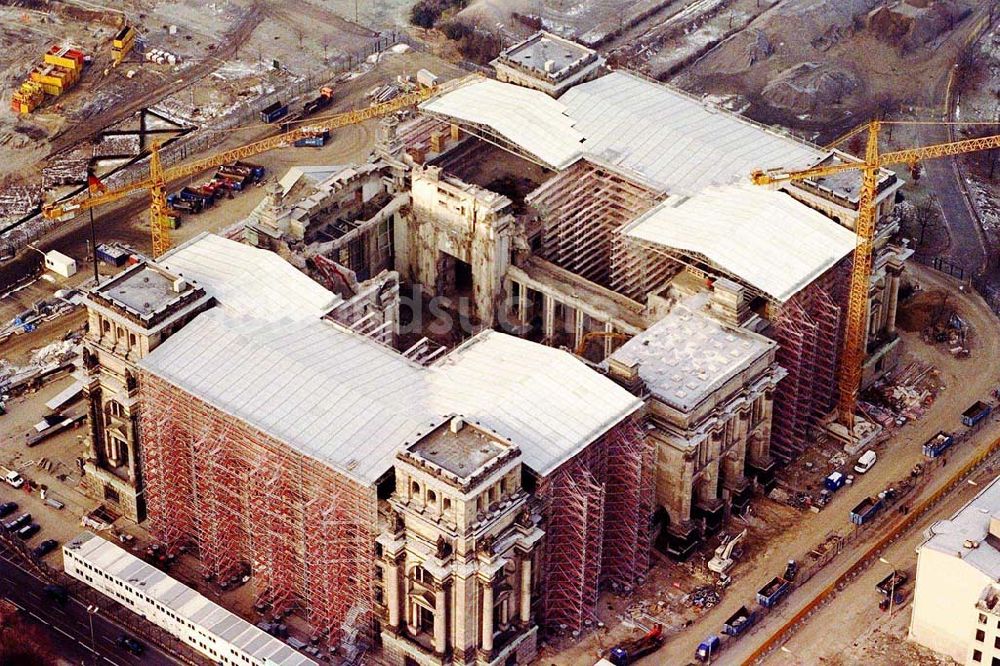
(869,556)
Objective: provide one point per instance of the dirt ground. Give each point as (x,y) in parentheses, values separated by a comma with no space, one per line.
(789,533)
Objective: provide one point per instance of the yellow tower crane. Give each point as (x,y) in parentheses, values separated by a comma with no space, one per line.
(156,183)
(853,353)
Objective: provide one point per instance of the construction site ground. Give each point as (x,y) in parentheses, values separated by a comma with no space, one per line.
(778,533)
(127,221)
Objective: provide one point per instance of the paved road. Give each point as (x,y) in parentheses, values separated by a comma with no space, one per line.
(69,626)
(967,248)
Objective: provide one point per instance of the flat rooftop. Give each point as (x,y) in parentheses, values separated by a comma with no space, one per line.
(541,48)
(143,290)
(186,603)
(462,453)
(688,355)
(966,535)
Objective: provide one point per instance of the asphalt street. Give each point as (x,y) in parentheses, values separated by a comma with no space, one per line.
(69,627)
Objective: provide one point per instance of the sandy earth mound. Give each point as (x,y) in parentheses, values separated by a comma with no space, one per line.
(809,85)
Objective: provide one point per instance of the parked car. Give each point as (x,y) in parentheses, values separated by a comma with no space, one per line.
(7,508)
(17,523)
(28,531)
(45,547)
(130,644)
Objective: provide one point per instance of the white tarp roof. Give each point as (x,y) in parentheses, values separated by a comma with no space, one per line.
(528,118)
(247,279)
(763,237)
(344,399)
(672,139)
(668,138)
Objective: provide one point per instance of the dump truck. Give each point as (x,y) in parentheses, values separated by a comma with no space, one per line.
(867,509)
(892,582)
(739,621)
(772,593)
(976,413)
(630,651)
(938,444)
(318,103)
(273,112)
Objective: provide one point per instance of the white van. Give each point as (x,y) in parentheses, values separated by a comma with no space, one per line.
(865,462)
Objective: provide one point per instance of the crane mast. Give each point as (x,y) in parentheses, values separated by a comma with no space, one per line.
(856,326)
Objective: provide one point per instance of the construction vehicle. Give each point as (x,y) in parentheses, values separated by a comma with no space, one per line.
(725,554)
(630,651)
(853,351)
(273,112)
(122,44)
(892,582)
(707,648)
(324,100)
(160,220)
(976,413)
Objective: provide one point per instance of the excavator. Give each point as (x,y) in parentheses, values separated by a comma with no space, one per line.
(159,176)
(726,554)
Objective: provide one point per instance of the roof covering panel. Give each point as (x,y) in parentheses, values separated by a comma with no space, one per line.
(763,237)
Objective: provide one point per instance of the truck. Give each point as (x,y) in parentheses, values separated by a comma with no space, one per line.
(707,648)
(185,206)
(771,594)
(867,509)
(319,103)
(892,582)
(630,651)
(273,112)
(739,621)
(976,413)
(938,444)
(12,477)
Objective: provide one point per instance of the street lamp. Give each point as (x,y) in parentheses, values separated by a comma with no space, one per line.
(892,584)
(91,611)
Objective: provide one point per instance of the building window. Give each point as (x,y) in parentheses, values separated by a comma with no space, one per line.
(995,662)
(414,489)
(980,635)
(977,655)
(982,619)
(996,642)
(432,497)
(111,494)
(447,504)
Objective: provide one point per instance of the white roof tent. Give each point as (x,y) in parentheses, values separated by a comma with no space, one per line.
(349,402)
(172,603)
(763,238)
(668,139)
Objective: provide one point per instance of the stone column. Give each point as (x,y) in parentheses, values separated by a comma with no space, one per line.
(392,593)
(577,327)
(440,616)
(548,316)
(487,643)
(526,589)
(890,320)
(522,303)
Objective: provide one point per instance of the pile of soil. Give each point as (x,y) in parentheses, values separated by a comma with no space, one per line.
(809,86)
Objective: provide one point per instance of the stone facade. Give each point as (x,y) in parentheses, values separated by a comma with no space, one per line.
(458,560)
(128,316)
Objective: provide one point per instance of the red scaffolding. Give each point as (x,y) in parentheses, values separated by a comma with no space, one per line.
(241,497)
(597,510)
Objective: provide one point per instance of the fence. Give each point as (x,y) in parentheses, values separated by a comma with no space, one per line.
(865,560)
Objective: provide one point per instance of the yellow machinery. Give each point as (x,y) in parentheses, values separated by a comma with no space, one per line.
(156,183)
(599,335)
(122,44)
(853,353)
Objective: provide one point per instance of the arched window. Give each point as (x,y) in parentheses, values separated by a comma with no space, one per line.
(414,489)
(432,497)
